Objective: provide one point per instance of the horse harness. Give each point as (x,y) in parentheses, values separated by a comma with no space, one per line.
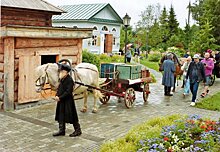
(76,76)
(44,78)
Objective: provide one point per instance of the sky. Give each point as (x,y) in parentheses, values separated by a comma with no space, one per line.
(135,7)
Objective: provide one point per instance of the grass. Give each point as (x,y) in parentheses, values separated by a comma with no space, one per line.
(210,103)
(149,64)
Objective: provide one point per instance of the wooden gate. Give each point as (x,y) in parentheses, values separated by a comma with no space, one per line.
(26,84)
(108,43)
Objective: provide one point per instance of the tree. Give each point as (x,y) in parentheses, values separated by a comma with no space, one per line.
(203,39)
(130,36)
(208,10)
(172,23)
(148,18)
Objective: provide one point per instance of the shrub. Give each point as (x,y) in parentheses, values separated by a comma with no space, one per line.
(154,57)
(90,58)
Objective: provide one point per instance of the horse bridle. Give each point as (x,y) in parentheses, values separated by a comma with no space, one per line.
(44,78)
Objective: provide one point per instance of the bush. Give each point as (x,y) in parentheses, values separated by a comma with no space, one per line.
(154,57)
(91,58)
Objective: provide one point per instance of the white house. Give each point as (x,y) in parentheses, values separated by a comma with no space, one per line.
(102,17)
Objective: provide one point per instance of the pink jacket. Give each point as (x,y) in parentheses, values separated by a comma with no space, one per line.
(209,66)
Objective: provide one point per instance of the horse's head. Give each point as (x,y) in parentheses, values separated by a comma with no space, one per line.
(44,74)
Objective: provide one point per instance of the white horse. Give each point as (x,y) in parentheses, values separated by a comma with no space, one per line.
(84,72)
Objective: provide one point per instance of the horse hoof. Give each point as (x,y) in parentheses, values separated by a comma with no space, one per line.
(83,110)
(94,111)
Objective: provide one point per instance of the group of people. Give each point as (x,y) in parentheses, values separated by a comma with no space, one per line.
(194,71)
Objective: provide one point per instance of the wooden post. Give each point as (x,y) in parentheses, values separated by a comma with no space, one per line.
(9,73)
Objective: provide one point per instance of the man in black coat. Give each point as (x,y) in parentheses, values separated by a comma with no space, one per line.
(66,110)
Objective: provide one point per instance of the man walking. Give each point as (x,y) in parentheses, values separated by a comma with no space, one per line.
(196,74)
(66,110)
(168,75)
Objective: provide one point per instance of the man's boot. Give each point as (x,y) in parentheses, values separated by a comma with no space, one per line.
(169,91)
(61,132)
(165,90)
(77,131)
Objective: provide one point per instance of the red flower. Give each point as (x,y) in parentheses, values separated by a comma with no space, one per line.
(169,150)
(165,138)
(203,126)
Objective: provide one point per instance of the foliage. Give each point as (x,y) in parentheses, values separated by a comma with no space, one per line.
(111,58)
(203,39)
(149,129)
(172,22)
(90,58)
(190,134)
(210,103)
(177,51)
(208,10)
(130,36)
(154,57)
(151,65)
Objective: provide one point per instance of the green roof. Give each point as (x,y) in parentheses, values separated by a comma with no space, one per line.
(85,12)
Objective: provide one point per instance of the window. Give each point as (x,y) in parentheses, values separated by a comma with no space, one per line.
(104,28)
(48,59)
(114,40)
(94,40)
(113,30)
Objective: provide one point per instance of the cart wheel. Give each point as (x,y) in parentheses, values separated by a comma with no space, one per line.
(129,97)
(146,92)
(105,99)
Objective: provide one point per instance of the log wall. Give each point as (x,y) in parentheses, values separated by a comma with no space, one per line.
(1,69)
(24,47)
(13,16)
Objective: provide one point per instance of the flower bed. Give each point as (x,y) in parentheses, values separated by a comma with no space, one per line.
(173,133)
(191,134)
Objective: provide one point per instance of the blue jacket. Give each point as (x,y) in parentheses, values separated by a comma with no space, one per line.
(168,75)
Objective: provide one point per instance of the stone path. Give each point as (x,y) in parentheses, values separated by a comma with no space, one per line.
(31,129)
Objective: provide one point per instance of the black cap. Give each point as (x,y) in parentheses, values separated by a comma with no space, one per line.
(65,67)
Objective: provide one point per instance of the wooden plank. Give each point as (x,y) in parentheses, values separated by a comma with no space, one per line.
(16,97)
(26,78)
(16,86)
(79,56)
(70,50)
(16,65)
(1,87)
(46,32)
(1,77)
(1,58)
(16,75)
(1,67)
(33,43)
(9,73)
(73,59)
(1,96)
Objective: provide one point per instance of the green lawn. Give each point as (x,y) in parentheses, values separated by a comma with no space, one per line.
(151,65)
(210,103)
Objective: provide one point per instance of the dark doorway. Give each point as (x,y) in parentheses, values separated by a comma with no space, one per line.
(48,59)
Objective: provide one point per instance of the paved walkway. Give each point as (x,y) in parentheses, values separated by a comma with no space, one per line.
(31,129)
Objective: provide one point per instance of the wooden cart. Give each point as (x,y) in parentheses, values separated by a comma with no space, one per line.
(114,85)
